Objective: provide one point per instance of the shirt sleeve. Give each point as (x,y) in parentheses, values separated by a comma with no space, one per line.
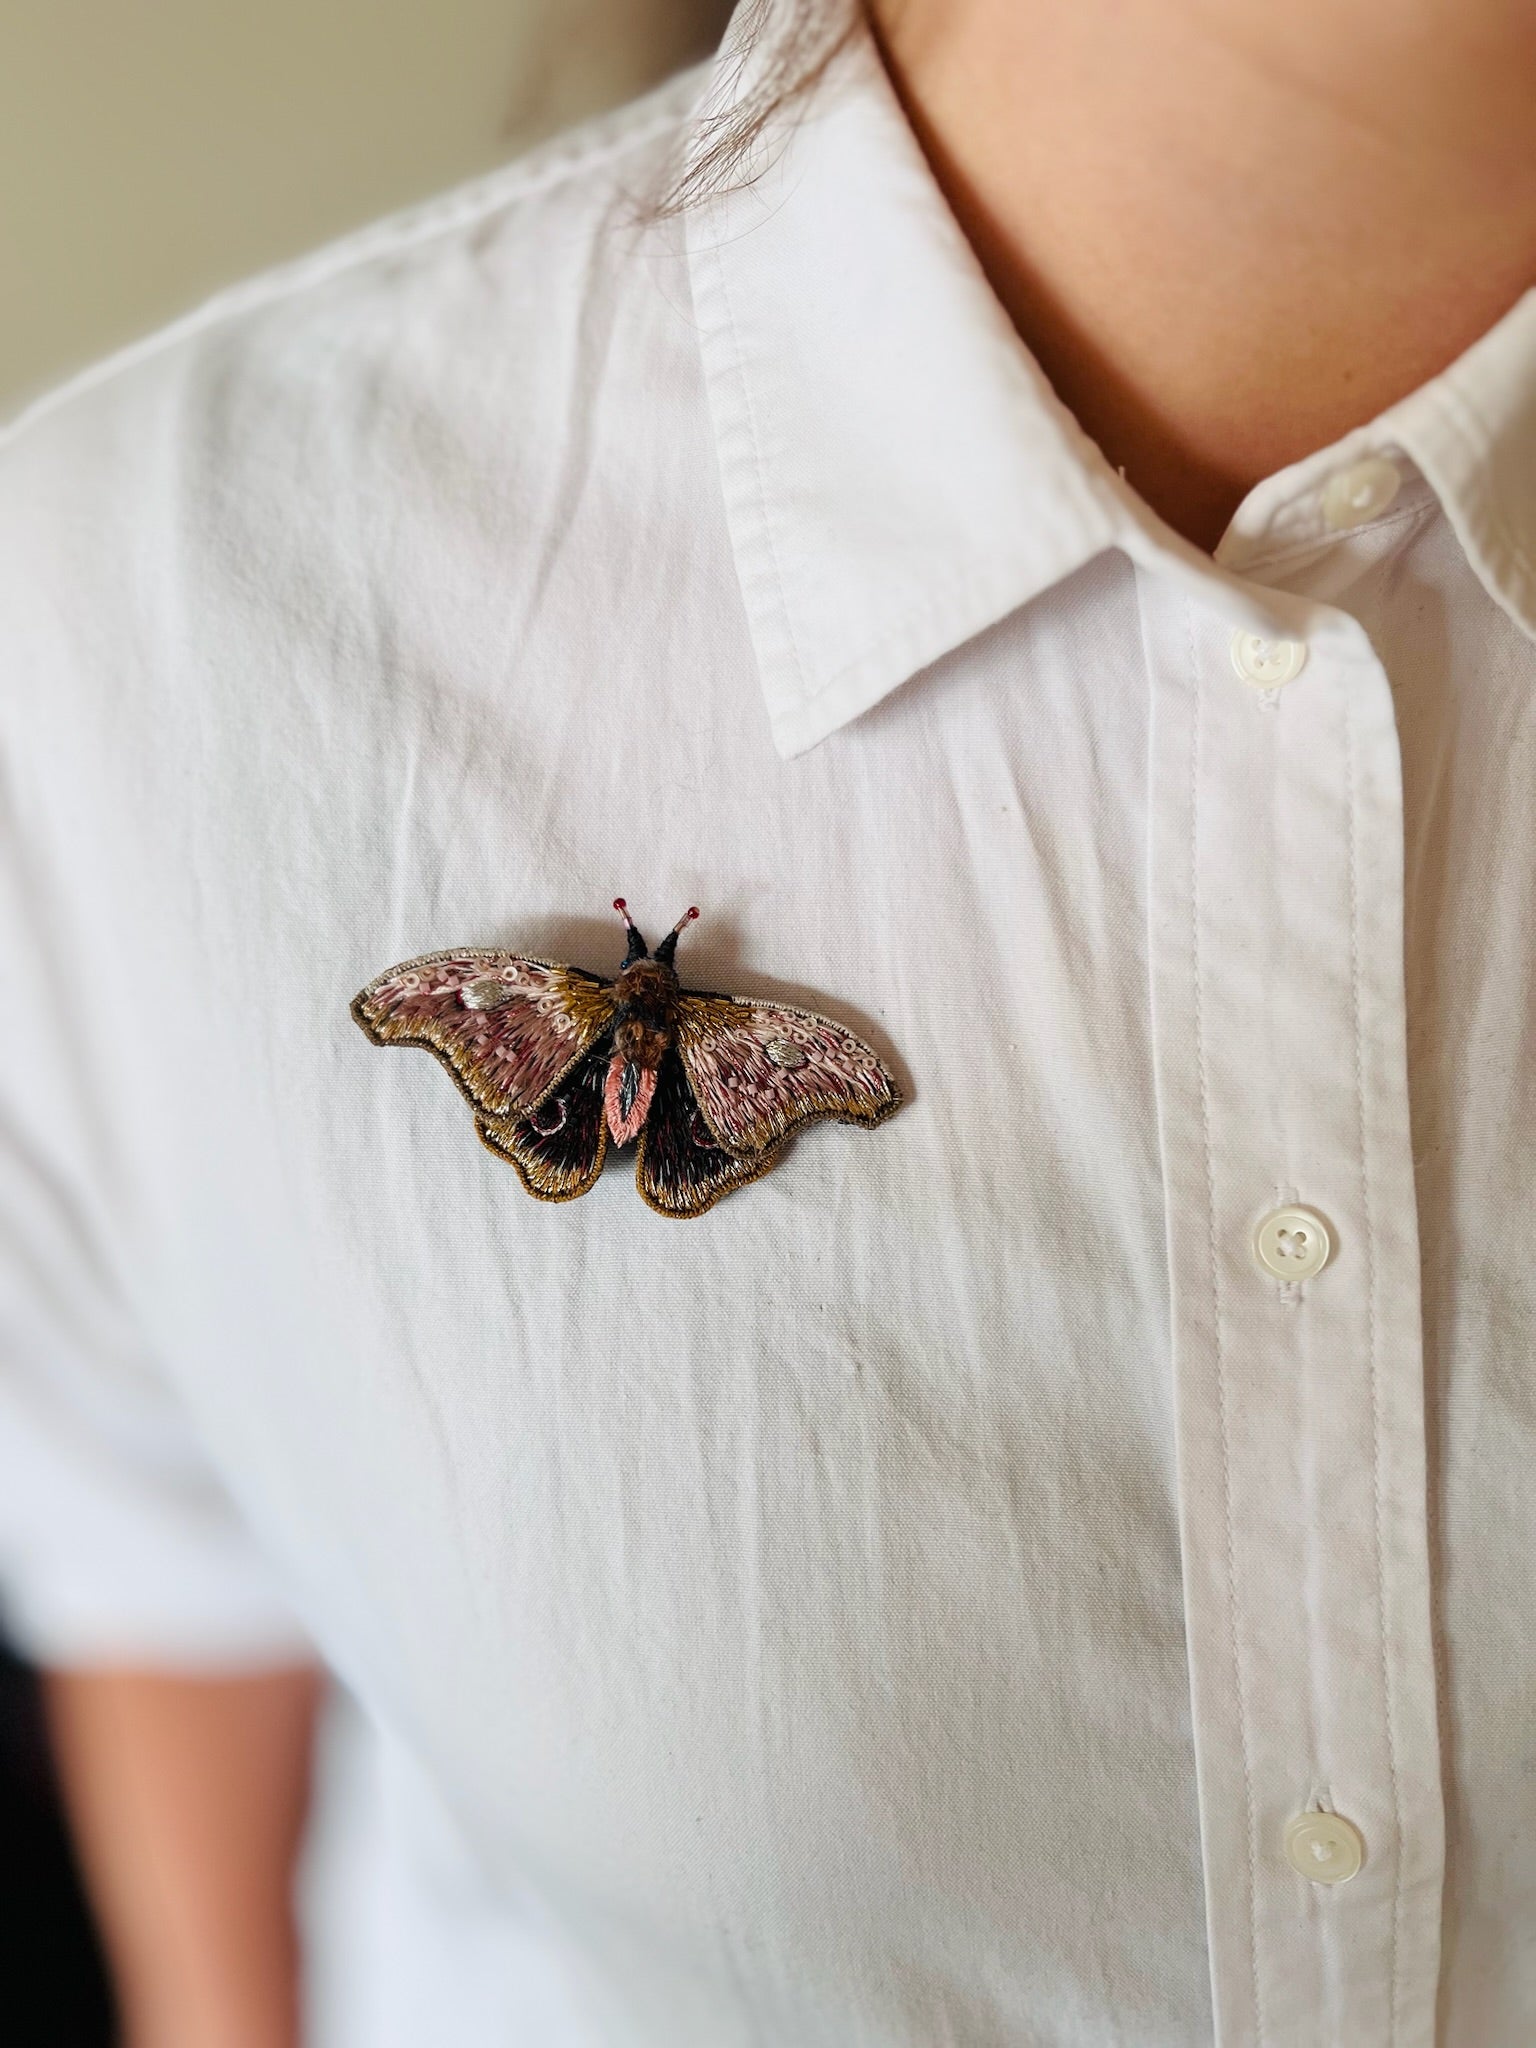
(118,1541)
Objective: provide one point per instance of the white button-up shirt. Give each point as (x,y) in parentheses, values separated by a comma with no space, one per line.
(1053,1569)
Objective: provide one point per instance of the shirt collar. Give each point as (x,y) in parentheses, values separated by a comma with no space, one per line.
(898,473)
(1472,431)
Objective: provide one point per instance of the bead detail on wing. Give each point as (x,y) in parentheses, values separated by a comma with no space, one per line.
(508,1028)
(759,1070)
(558,1148)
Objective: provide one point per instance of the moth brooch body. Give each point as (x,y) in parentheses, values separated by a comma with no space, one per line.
(558,1063)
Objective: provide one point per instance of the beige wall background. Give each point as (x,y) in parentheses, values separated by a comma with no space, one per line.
(153,150)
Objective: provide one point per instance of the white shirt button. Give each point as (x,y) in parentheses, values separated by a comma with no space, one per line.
(1267,663)
(1324,1847)
(1361,491)
(1292,1242)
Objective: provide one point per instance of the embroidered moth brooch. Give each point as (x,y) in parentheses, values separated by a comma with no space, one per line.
(557,1062)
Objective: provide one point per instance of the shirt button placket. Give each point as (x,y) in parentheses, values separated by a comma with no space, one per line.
(1276,844)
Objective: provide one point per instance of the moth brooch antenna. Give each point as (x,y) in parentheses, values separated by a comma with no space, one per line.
(557,1063)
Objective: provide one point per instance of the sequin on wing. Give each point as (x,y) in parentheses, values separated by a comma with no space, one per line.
(759,1070)
(507,1027)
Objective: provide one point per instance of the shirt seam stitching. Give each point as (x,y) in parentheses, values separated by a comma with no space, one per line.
(1282,557)
(1373,1352)
(760,479)
(1214,1267)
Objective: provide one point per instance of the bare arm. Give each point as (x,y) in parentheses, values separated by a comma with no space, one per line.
(187,1795)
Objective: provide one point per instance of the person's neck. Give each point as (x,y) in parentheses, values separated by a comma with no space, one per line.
(1228,231)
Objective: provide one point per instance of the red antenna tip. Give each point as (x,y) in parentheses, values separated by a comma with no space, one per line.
(693,910)
(619,903)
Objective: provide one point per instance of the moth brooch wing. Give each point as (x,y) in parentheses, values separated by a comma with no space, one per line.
(508,1028)
(557,1063)
(759,1070)
(558,1148)
(682,1169)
